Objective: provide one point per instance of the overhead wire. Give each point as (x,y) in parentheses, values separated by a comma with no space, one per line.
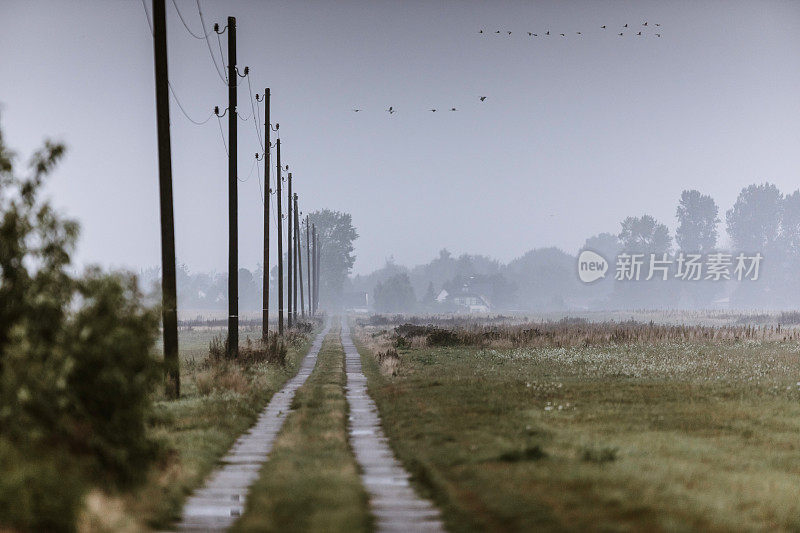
(253,109)
(222,135)
(185,25)
(169,83)
(208,44)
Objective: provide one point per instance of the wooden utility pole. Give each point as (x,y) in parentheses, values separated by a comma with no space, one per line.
(279,178)
(294,259)
(308,264)
(233,221)
(316,268)
(169,298)
(289,252)
(265,281)
(299,256)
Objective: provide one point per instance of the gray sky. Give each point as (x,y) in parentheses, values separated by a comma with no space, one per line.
(576,133)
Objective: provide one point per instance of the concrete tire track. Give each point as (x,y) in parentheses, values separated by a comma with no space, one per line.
(220,502)
(393,502)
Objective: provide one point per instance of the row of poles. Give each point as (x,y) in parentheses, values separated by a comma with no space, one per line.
(294,274)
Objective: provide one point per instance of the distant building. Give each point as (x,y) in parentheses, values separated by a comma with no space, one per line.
(465,300)
(471,302)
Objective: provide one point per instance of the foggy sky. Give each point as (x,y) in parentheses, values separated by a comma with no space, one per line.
(576,133)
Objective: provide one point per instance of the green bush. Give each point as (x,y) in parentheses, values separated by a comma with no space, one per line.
(76,368)
(38,493)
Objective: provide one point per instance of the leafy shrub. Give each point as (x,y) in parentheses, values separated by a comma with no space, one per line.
(442,337)
(76,369)
(39,493)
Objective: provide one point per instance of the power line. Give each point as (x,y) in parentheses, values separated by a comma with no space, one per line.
(185,114)
(174,3)
(250,173)
(171,88)
(208,43)
(222,55)
(253,109)
(222,136)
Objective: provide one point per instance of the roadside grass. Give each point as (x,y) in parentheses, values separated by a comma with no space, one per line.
(663,436)
(311,481)
(218,402)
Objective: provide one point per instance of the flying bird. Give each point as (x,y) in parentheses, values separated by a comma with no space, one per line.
(548,32)
(498,31)
(603,26)
(509,33)
(658,35)
(453,109)
(480,31)
(483,98)
(356,110)
(640,33)
(657,24)
(391,110)
(433,111)
(578,32)
(645,24)
(535,34)
(529,34)
(620,34)
(563,35)
(625,26)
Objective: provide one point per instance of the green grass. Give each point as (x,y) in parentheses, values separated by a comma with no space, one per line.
(311,481)
(676,436)
(199,428)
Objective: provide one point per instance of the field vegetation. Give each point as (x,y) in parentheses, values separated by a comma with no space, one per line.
(593,426)
(220,399)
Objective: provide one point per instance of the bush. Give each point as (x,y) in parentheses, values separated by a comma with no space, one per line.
(272,351)
(76,370)
(39,493)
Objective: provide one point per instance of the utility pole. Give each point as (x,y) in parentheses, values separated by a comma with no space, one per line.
(265,281)
(169,299)
(294,259)
(290,251)
(233,225)
(316,268)
(308,265)
(299,256)
(279,178)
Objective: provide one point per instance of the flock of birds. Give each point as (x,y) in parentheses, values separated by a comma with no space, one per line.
(391,109)
(625,27)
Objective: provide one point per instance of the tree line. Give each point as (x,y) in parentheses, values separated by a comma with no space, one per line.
(763,220)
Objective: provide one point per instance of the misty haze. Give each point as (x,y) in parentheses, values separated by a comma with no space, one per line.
(399,266)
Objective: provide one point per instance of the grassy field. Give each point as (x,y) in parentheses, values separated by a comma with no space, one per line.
(638,436)
(218,402)
(311,482)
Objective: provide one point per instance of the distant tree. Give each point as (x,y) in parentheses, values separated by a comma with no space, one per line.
(395,295)
(542,278)
(606,244)
(644,235)
(790,224)
(697,222)
(430,295)
(336,235)
(754,221)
